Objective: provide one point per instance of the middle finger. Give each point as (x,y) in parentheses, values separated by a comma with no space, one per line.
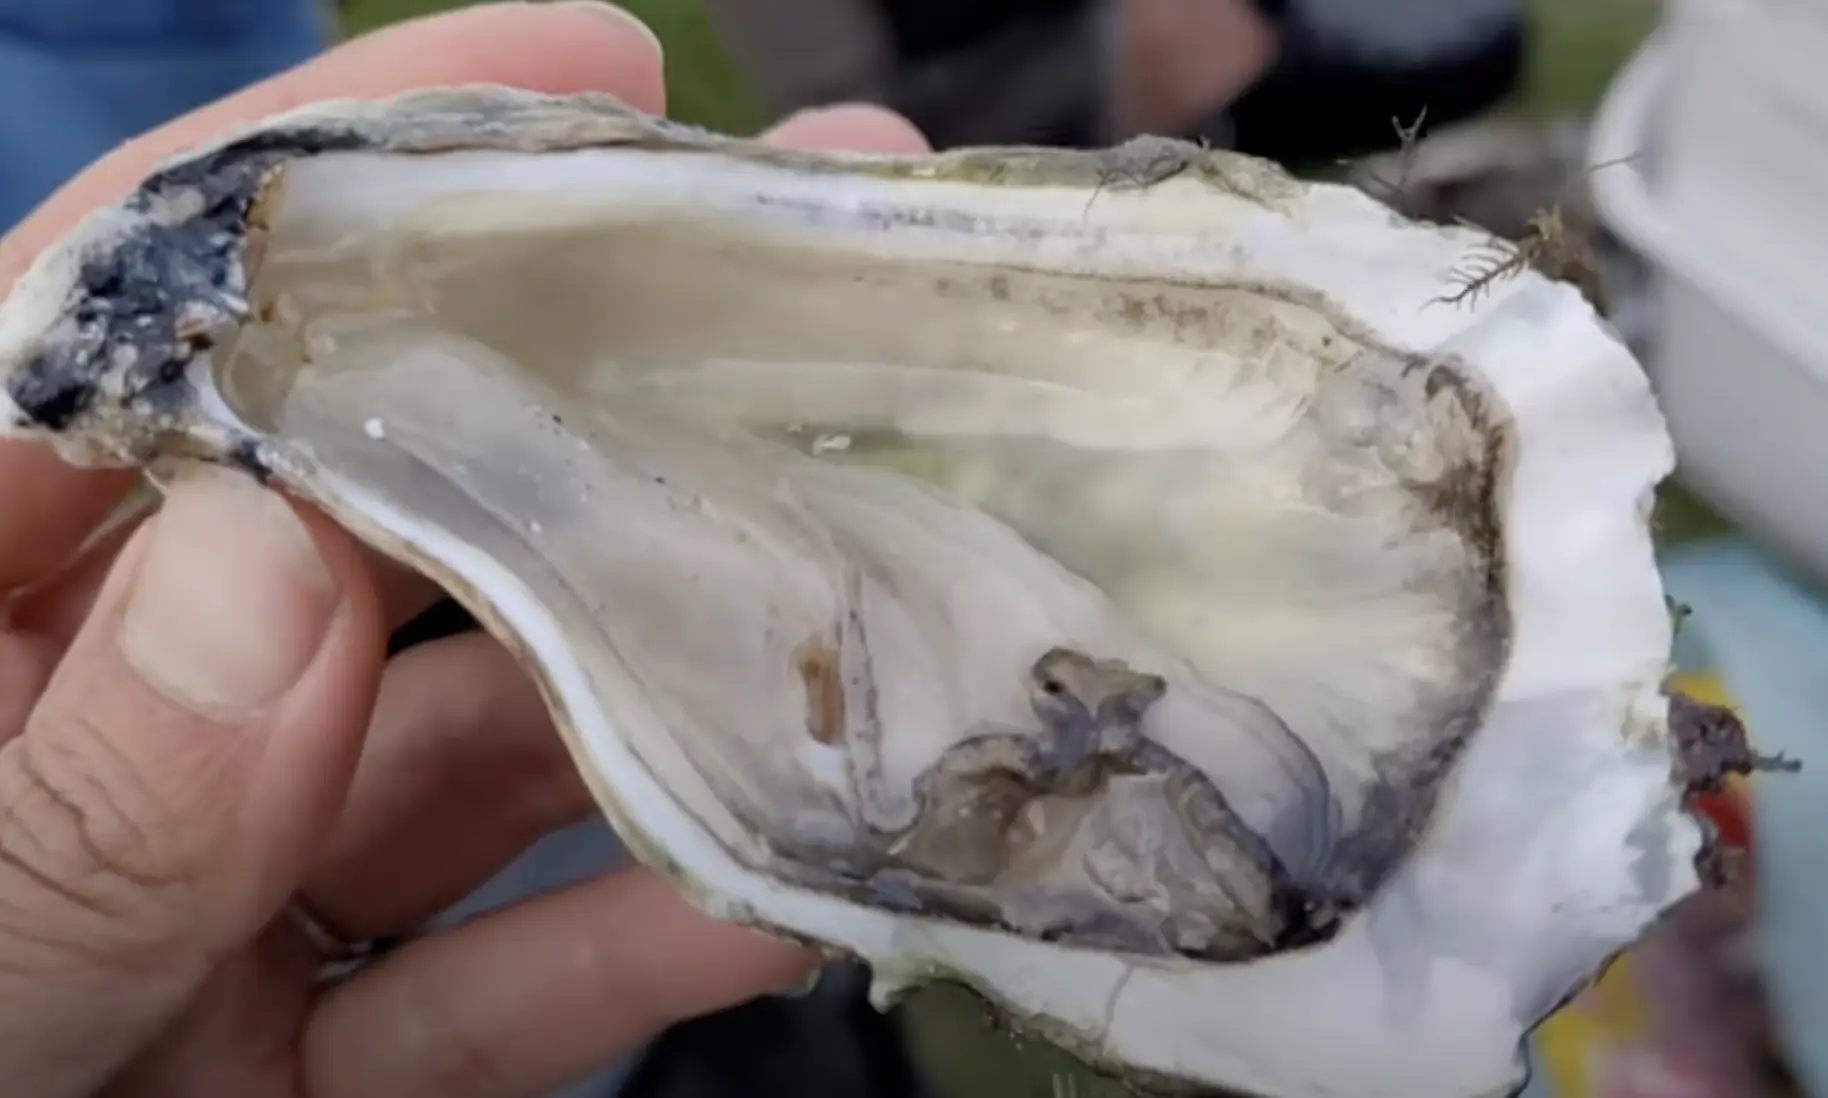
(461,772)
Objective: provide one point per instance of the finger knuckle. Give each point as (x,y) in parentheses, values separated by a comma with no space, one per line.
(82,828)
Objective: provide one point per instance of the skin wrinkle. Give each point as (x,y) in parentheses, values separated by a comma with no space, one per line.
(67,741)
(131,876)
(115,843)
(24,825)
(30,845)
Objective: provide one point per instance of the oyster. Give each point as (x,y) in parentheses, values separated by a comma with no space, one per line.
(1099,578)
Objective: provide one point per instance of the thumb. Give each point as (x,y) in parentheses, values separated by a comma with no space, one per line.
(165,794)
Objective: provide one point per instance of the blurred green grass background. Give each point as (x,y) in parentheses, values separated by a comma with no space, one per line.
(702,86)
(1577,45)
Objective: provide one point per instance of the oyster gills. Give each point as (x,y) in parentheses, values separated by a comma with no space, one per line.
(1099,578)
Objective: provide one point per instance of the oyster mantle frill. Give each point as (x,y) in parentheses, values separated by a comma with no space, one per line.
(1102,578)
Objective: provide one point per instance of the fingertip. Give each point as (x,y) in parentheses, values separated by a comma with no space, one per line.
(692,961)
(621,17)
(750,962)
(857,127)
(559,48)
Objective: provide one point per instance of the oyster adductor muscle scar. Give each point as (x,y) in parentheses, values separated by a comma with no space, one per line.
(1099,578)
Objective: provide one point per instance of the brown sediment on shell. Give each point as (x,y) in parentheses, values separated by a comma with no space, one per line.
(816,661)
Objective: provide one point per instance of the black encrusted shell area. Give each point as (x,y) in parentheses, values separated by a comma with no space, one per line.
(148,297)
(142,309)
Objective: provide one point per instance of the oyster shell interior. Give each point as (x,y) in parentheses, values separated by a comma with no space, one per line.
(1099,578)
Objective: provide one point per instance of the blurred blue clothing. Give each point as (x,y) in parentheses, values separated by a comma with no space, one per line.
(77,77)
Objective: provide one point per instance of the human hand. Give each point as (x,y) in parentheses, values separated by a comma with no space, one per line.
(198,723)
(1179,61)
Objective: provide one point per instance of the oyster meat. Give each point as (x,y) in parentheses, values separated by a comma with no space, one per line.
(1106,579)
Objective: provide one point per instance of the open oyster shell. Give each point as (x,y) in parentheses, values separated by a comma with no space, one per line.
(1104,579)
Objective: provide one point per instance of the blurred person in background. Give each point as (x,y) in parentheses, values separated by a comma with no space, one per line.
(1292,80)
(77,77)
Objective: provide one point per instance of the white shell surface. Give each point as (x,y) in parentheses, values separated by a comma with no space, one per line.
(1561,833)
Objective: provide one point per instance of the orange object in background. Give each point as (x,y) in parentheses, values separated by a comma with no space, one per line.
(1682,1014)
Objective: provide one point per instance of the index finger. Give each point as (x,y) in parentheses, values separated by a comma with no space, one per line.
(48,508)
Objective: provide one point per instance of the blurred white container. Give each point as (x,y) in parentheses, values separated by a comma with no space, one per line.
(1726,112)
(1727,109)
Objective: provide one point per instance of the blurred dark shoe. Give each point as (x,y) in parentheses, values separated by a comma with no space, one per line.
(1327,99)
